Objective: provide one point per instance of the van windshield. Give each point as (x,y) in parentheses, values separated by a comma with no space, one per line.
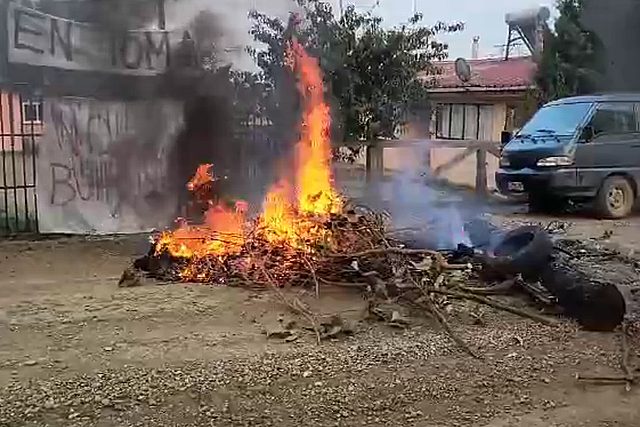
(559,120)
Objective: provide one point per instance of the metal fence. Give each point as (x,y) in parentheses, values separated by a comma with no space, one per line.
(20,132)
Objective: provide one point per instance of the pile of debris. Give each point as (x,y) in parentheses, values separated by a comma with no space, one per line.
(370,261)
(307,235)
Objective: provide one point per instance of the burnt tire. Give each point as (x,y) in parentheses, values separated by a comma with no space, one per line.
(615,199)
(525,250)
(596,306)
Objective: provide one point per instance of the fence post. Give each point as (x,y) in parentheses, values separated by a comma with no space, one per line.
(481,171)
(374,161)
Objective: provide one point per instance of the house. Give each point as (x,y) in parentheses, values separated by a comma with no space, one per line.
(20,122)
(496,97)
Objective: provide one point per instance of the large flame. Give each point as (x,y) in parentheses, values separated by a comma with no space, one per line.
(313,190)
(294,213)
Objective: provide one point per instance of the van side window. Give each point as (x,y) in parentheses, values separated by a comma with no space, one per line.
(614,118)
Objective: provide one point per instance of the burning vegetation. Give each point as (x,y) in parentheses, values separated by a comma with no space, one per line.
(298,215)
(307,235)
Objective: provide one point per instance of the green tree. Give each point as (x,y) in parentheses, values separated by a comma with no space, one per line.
(571,62)
(372,74)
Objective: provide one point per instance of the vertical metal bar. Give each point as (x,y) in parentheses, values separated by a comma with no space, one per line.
(5,190)
(34,151)
(24,165)
(509,41)
(12,132)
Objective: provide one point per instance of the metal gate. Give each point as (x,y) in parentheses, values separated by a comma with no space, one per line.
(21,122)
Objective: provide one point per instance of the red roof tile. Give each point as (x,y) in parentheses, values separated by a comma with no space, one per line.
(487,73)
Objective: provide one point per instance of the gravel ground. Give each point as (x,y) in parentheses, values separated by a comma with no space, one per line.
(377,378)
(77,351)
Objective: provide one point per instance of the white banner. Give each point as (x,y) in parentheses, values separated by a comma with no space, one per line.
(39,39)
(101,166)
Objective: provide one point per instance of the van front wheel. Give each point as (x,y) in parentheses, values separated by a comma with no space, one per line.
(615,198)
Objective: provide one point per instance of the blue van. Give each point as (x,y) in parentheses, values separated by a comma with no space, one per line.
(583,149)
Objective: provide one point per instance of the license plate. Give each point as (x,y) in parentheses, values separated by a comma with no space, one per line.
(515,186)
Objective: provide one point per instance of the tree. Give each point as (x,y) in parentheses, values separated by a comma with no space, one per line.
(371,73)
(571,62)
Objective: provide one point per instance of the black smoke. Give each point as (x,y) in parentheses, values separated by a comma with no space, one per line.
(616,24)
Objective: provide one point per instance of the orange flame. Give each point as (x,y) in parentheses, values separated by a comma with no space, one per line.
(202,177)
(222,231)
(294,214)
(314,188)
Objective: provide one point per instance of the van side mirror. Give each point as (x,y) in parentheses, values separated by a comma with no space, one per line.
(505,137)
(588,133)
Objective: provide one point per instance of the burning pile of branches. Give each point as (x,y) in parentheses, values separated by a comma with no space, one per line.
(302,215)
(306,235)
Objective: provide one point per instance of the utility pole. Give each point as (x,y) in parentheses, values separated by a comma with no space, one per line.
(341,7)
(415,7)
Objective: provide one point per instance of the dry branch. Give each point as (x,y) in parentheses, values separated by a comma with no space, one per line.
(385,251)
(296,306)
(495,304)
(626,351)
(433,308)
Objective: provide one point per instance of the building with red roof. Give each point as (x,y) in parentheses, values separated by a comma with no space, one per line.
(487,75)
(493,98)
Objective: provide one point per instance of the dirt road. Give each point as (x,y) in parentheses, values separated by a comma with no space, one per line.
(77,350)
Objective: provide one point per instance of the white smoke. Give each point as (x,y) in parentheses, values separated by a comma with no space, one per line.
(435,218)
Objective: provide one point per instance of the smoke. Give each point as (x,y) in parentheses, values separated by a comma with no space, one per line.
(232,16)
(243,155)
(117,15)
(218,33)
(616,23)
(428,215)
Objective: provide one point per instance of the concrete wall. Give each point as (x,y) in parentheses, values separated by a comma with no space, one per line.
(464,173)
(404,158)
(429,156)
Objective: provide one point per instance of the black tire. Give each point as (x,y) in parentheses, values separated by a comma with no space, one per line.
(525,250)
(615,199)
(596,306)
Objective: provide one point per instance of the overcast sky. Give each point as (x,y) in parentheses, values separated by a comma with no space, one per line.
(484,18)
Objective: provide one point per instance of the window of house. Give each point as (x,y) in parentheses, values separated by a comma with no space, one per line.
(463,121)
(614,118)
(32,112)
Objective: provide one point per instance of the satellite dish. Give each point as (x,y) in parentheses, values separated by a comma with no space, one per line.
(463,70)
